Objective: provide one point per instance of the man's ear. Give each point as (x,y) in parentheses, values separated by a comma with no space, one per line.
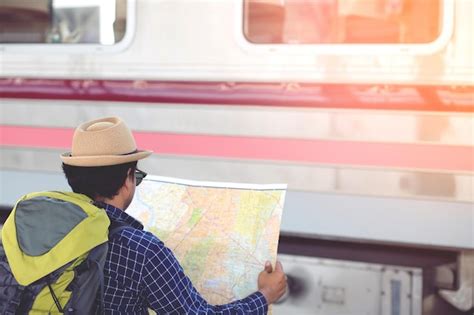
(129,180)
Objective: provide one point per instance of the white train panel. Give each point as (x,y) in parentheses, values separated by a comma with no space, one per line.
(202,40)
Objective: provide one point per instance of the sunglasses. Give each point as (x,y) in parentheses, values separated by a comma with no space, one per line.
(139,176)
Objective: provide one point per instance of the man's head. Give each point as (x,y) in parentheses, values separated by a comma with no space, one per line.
(103,161)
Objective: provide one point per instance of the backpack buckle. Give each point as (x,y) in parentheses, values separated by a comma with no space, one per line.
(85,265)
(15,302)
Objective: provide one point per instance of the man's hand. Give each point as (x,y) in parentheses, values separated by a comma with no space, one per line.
(272,283)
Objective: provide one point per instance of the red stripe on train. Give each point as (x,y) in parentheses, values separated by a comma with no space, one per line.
(358,96)
(391,155)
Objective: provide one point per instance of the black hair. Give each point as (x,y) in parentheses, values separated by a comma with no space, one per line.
(98,181)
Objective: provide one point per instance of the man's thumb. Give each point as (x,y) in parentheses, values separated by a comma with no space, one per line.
(278,266)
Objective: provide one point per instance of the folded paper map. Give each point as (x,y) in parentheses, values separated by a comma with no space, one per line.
(221,233)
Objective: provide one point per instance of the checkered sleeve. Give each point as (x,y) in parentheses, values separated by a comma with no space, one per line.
(168,290)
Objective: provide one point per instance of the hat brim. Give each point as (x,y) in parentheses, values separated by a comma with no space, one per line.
(103,160)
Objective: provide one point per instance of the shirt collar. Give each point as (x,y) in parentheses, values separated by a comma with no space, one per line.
(117,214)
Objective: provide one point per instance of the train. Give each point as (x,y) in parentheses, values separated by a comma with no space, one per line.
(364,108)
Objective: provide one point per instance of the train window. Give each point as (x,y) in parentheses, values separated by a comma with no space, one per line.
(342,21)
(93,22)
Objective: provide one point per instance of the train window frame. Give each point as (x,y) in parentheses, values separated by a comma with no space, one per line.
(80,48)
(447,30)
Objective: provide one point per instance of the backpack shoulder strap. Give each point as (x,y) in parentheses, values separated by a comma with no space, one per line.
(116,227)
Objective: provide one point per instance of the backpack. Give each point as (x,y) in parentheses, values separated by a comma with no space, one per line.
(54,246)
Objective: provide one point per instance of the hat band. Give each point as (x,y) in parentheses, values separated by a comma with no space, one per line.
(133,152)
(130,153)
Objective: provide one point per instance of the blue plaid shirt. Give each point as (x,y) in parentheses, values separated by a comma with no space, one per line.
(141,272)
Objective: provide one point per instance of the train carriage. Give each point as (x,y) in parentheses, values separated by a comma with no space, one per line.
(363,107)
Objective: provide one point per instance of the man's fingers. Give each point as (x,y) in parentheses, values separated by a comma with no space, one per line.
(268,267)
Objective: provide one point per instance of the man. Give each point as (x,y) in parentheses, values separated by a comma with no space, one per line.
(140,271)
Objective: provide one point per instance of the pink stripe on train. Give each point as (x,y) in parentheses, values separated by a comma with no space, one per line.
(349,153)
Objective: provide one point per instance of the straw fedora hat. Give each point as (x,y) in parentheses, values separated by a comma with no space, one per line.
(103,142)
